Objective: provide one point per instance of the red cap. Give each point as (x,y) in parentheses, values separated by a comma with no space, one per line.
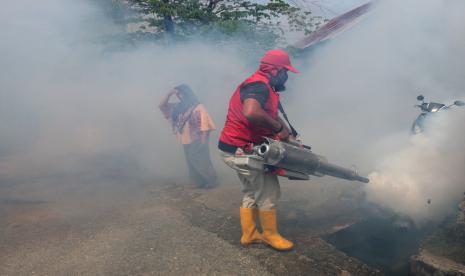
(278,58)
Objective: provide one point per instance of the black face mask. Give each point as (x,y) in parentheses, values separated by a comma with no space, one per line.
(278,81)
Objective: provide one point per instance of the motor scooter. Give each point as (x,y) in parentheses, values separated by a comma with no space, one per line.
(427,110)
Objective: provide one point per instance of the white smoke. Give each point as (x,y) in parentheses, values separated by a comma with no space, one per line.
(74,98)
(425,178)
(354,103)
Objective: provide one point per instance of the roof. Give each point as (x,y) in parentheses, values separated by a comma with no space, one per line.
(334,27)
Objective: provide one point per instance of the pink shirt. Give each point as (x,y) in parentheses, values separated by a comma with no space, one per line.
(196,121)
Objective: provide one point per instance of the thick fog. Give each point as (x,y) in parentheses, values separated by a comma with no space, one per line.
(73,101)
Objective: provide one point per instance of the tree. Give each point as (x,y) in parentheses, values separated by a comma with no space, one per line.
(193,17)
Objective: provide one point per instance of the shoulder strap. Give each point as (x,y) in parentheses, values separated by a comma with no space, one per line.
(293,130)
(181,127)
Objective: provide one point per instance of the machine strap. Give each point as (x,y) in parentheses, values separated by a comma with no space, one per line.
(293,130)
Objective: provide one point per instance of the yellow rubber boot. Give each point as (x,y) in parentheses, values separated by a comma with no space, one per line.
(250,233)
(270,233)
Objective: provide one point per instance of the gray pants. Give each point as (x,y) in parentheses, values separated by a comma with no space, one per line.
(201,171)
(260,189)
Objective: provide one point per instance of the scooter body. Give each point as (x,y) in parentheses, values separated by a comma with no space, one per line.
(427,110)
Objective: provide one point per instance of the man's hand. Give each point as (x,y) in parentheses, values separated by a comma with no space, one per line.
(283,135)
(295,139)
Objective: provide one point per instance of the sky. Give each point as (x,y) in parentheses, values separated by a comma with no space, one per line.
(327,8)
(331,8)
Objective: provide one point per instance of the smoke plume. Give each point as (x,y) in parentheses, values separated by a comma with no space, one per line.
(356,100)
(424,179)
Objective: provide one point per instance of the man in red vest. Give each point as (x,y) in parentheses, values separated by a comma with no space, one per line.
(253,115)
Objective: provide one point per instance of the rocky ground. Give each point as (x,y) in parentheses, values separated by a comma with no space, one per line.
(426,264)
(443,252)
(61,226)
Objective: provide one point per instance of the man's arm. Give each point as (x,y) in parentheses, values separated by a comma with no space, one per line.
(254,112)
(284,124)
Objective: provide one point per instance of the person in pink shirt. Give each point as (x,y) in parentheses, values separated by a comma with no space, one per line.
(192,125)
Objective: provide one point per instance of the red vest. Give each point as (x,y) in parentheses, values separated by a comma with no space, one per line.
(238,131)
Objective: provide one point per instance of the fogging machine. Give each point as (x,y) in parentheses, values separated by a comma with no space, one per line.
(294,161)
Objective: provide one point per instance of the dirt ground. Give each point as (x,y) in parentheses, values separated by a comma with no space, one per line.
(70,225)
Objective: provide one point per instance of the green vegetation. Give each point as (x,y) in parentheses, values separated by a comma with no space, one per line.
(265,24)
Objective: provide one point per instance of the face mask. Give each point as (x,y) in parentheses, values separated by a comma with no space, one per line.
(278,81)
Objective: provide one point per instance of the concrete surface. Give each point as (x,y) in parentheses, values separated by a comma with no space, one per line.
(80,225)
